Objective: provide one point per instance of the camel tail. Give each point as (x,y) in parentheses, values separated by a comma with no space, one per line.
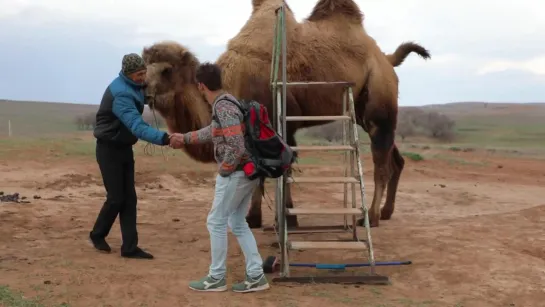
(404,50)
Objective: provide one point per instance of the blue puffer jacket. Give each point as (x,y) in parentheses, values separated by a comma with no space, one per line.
(119,117)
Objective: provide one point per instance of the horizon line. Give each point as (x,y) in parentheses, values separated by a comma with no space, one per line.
(419,105)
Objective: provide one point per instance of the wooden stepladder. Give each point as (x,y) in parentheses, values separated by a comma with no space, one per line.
(353,174)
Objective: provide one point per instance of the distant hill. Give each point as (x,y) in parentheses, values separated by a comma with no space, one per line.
(464,109)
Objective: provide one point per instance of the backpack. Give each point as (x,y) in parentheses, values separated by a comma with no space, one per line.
(270,157)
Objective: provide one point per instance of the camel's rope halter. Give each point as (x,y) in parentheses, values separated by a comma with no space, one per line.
(149,148)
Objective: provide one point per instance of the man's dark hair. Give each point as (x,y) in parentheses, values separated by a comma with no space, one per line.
(210,75)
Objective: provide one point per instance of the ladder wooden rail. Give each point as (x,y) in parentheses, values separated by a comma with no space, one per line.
(323,211)
(316,118)
(320,83)
(328,229)
(322,180)
(354,245)
(324,148)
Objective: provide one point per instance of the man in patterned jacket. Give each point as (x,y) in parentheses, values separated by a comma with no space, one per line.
(233,189)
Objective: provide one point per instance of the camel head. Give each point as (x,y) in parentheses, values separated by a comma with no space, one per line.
(171,88)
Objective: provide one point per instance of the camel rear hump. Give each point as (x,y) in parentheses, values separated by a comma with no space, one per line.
(330,9)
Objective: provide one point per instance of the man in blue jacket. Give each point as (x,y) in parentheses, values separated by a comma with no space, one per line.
(119,125)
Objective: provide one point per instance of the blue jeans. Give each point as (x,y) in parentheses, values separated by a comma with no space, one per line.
(231,202)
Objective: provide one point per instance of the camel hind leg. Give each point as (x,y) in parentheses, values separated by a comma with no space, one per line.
(291,220)
(254,218)
(396,164)
(381,176)
(376,112)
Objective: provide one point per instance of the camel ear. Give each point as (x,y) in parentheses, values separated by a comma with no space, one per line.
(186,57)
(145,55)
(189,64)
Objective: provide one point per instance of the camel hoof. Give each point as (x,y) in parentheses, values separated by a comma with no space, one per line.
(254,221)
(372,223)
(291,220)
(385,215)
(360,222)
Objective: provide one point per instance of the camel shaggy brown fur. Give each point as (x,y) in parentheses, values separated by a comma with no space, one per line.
(330,45)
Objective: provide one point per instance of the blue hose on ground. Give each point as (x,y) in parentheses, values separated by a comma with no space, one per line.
(332,266)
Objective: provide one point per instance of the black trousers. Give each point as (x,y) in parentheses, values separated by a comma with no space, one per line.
(117,168)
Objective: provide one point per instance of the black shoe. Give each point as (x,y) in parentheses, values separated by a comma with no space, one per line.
(100,244)
(137,254)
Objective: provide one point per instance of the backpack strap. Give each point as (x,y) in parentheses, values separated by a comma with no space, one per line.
(272,163)
(236,103)
(215,118)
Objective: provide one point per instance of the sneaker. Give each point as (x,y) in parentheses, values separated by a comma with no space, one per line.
(137,254)
(252,285)
(208,284)
(100,244)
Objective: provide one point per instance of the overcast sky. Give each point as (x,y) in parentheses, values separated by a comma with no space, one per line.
(69,50)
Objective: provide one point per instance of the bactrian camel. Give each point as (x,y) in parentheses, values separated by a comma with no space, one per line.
(330,45)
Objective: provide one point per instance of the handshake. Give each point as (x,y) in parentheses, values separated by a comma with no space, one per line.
(176,140)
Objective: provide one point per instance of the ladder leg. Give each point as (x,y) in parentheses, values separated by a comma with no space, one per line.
(346,156)
(281,205)
(362,187)
(275,62)
(284,228)
(353,174)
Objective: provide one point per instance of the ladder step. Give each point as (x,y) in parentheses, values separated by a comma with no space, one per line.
(323,148)
(316,118)
(312,211)
(353,245)
(310,229)
(322,180)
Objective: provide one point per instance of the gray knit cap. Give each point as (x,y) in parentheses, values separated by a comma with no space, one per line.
(131,63)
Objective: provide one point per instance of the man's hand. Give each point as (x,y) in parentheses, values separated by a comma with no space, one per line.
(176,140)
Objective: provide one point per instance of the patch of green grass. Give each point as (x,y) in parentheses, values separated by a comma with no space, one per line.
(410,303)
(522,131)
(10,298)
(47,147)
(413,156)
(376,291)
(18,146)
(78,148)
(30,118)
(38,118)
(333,297)
(461,149)
(453,160)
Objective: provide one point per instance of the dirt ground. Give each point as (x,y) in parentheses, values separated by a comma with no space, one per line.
(473,230)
